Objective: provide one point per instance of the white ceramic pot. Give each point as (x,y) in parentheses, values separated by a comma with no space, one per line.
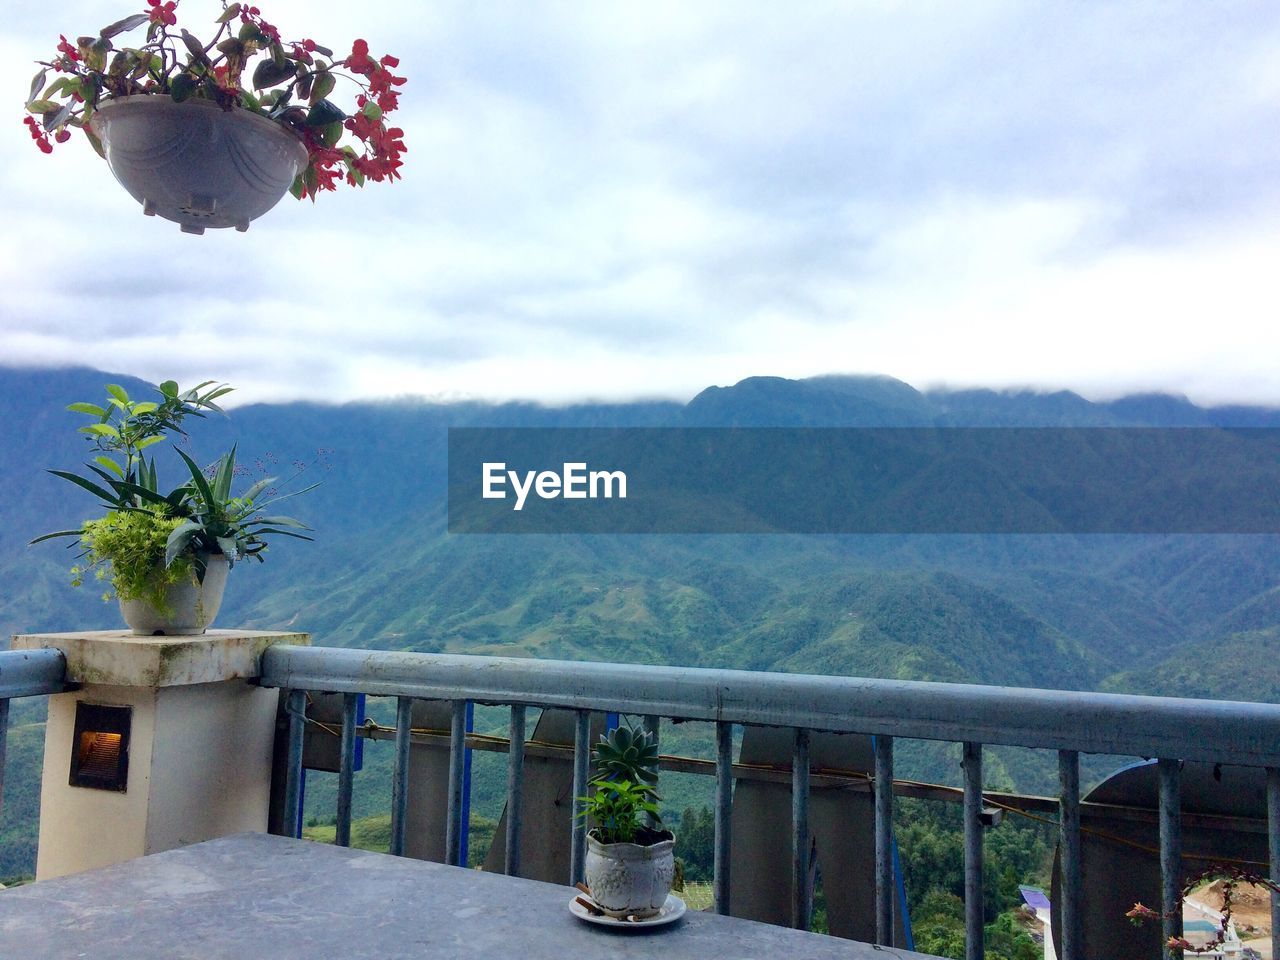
(627,879)
(189,606)
(195,163)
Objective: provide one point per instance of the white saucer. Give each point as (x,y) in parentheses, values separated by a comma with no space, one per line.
(671,911)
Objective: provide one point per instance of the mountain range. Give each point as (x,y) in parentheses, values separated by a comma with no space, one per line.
(1184,615)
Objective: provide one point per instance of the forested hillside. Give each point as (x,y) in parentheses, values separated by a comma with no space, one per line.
(1187,615)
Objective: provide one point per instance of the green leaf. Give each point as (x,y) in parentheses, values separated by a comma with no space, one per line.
(169,388)
(148,441)
(95,142)
(372,111)
(252,493)
(195,48)
(61,87)
(60,533)
(110,465)
(101,430)
(268,73)
(286,496)
(55,119)
(179,540)
(297,188)
(125,25)
(323,113)
(89,485)
(89,88)
(181,87)
(282,533)
(229,14)
(282,522)
(321,87)
(250,31)
(198,478)
(43,106)
(146,406)
(36,84)
(118,392)
(222,479)
(332,134)
(324,51)
(92,409)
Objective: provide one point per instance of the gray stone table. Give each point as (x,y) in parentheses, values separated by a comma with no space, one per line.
(255,896)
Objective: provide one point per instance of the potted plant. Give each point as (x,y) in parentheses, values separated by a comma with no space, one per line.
(630,864)
(212,134)
(168,553)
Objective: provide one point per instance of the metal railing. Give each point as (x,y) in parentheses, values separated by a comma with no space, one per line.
(26,673)
(1247,734)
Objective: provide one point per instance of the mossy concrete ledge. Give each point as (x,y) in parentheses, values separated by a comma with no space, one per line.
(120,658)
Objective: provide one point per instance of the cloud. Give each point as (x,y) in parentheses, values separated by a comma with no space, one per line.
(626,199)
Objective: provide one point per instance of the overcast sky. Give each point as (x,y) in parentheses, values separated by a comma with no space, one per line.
(613,199)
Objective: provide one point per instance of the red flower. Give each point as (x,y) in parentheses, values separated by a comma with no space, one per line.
(254,16)
(38,135)
(162,12)
(359,61)
(302,51)
(67,50)
(222,77)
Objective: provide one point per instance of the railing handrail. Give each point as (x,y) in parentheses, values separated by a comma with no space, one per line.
(1214,730)
(31,673)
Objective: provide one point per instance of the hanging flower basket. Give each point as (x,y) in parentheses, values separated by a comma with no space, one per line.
(195,163)
(213,134)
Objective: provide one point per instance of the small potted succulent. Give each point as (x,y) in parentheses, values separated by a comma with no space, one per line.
(168,553)
(630,864)
(212,133)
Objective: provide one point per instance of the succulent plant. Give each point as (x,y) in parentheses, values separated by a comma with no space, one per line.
(627,753)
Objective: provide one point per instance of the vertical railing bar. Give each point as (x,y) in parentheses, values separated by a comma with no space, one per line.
(581,760)
(1072,946)
(346,769)
(800,902)
(974,948)
(296,710)
(724,819)
(1273,842)
(400,778)
(515,790)
(4,743)
(884,840)
(1171,852)
(652,727)
(457,756)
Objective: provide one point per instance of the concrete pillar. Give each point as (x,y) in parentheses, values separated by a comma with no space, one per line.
(199,752)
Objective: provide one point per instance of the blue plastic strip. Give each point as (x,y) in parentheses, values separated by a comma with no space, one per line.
(360,715)
(902,898)
(466,790)
(302,802)
(611,722)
